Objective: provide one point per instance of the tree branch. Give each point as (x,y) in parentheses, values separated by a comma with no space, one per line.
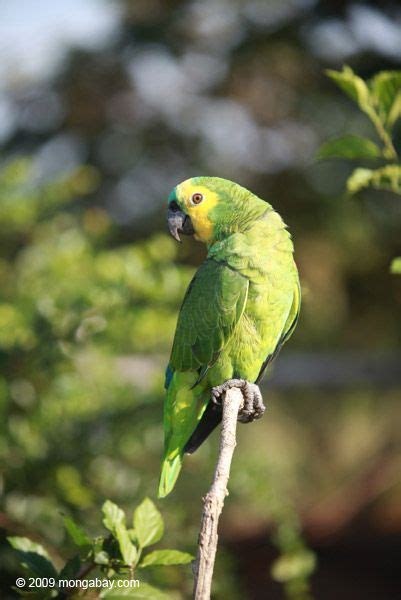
(214,499)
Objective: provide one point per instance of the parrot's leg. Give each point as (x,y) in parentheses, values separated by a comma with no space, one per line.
(253,402)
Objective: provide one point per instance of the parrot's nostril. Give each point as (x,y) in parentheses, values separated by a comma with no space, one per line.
(173,206)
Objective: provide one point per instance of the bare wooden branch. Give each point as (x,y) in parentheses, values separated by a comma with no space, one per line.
(214,499)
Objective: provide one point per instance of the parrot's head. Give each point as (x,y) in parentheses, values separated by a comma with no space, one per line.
(210,208)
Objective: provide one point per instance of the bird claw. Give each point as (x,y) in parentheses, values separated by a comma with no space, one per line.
(253,407)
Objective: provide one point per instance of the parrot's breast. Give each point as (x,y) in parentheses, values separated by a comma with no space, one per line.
(264,255)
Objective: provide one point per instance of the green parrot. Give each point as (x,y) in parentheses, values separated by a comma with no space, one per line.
(239,309)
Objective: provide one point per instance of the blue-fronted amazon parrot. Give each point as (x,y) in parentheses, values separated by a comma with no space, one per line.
(240,307)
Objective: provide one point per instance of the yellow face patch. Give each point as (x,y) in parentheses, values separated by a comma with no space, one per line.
(198,213)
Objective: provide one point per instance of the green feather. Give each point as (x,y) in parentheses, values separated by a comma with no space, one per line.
(170,471)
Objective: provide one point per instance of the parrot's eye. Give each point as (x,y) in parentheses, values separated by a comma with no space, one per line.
(196,198)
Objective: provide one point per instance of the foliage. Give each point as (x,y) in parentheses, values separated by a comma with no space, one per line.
(66,301)
(379,99)
(396,265)
(296,563)
(117,555)
(70,297)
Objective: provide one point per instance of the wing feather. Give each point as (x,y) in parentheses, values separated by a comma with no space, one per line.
(212,307)
(288,329)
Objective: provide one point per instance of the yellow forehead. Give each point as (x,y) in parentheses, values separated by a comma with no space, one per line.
(198,213)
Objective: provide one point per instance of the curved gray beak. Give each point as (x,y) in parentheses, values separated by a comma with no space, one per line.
(178,222)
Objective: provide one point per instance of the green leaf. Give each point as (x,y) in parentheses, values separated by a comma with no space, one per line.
(143,592)
(113,516)
(101,557)
(166,557)
(71,568)
(353,86)
(385,178)
(349,146)
(77,534)
(386,91)
(127,548)
(148,524)
(33,557)
(395,266)
(395,112)
(357,89)
(132,535)
(296,565)
(114,521)
(359,179)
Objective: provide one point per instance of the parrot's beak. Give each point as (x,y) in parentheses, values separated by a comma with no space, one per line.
(178,222)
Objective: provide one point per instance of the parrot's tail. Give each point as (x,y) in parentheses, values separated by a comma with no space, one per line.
(170,470)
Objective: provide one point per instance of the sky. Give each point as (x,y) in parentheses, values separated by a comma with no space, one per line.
(35,34)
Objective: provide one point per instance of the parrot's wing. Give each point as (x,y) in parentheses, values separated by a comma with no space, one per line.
(212,307)
(288,329)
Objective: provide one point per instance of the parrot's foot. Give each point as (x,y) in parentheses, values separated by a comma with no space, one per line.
(253,402)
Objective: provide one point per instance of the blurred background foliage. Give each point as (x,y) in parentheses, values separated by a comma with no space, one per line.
(104,107)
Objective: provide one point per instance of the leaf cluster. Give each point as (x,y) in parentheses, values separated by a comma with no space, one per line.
(117,554)
(380,100)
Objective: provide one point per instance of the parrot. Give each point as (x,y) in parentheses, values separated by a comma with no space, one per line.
(239,309)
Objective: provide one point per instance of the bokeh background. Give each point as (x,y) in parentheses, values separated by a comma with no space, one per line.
(104,107)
